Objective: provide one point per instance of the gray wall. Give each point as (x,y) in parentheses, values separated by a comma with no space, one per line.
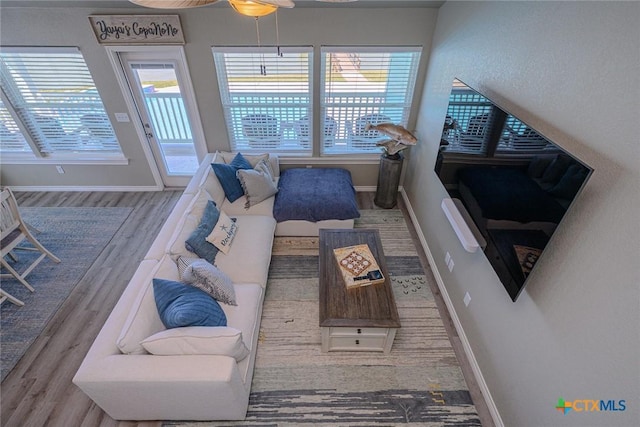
(203,27)
(571,70)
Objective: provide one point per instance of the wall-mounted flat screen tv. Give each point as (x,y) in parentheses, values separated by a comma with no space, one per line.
(511,183)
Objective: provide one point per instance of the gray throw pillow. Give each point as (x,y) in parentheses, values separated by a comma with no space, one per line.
(210,279)
(257,183)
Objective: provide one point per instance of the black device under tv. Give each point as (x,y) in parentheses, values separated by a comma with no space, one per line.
(514,184)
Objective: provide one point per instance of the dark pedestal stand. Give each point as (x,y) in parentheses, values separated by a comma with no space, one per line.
(388,180)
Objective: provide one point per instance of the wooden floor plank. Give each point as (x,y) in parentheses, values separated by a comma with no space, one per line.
(38,391)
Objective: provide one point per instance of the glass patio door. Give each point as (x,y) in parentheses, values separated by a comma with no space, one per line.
(165,106)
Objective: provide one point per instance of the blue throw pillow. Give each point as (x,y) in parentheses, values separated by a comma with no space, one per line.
(197,241)
(181,305)
(227,176)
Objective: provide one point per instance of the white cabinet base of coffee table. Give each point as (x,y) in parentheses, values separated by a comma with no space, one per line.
(357,339)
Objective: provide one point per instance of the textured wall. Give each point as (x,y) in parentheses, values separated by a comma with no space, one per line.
(571,70)
(204,27)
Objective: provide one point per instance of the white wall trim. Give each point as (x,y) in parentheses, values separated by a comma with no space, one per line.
(87,188)
(495,415)
(114,58)
(329,160)
(370,188)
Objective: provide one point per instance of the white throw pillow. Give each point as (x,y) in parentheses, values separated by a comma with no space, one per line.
(210,279)
(223,233)
(258,183)
(193,340)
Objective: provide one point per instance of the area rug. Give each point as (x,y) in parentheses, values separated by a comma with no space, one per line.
(419,383)
(75,235)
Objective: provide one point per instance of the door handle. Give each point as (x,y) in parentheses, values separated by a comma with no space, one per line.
(147,126)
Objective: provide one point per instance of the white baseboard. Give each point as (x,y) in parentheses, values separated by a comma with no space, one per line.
(370,188)
(88,188)
(360,188)
(365,188)
(495,415)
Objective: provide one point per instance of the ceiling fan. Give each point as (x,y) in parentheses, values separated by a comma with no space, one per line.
(262,5)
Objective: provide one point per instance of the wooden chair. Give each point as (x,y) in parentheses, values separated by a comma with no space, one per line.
(7,296)
(262,131)
(13,232)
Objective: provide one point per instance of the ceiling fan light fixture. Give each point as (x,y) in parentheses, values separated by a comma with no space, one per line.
(288,4)
(172,4)
(252,8)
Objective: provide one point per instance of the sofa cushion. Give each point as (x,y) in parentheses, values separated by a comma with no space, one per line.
(182,305)
(223,233)
(209,279)
(258,183)
(143,319)
(184,226)
(239,207)
(197,240)
(247,314)
(249,257)
(226,174)
(212,185)
(193,340)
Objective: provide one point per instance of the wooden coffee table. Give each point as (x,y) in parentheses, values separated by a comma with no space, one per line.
(357,319)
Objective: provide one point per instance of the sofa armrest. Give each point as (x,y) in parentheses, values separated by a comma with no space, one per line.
(147,387)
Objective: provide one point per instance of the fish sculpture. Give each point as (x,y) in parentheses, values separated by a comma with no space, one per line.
(396,132)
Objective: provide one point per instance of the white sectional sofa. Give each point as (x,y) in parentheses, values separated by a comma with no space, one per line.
(127,382)
(135,385)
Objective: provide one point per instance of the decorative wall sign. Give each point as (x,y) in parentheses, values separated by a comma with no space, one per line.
(137,29)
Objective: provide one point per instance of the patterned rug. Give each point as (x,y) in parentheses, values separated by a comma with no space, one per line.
(75,235)
(419,383)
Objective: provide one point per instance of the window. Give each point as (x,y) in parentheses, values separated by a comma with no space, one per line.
(49,94)
(11,139)
(266,97)
(362,85)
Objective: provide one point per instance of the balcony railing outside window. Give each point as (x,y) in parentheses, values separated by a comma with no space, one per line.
(52,94)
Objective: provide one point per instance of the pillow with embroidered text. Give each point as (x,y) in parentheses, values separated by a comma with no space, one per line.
(223,233)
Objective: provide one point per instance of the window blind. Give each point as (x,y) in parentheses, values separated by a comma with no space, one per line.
(363,85)
(11,138)
(266,97)
(54,96)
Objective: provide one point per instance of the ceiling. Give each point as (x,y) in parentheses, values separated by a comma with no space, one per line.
(299,3)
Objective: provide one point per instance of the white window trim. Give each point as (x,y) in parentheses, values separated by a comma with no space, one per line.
(269,49)
(324,50)
(37,156)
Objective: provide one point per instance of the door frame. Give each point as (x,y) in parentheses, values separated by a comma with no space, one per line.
(190,102)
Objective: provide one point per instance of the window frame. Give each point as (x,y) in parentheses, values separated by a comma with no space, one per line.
(378,111)
(267,131)
(24,118)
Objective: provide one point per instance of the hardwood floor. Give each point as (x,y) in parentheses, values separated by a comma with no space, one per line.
(39,392)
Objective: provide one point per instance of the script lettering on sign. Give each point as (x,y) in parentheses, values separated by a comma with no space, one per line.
(137,29)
